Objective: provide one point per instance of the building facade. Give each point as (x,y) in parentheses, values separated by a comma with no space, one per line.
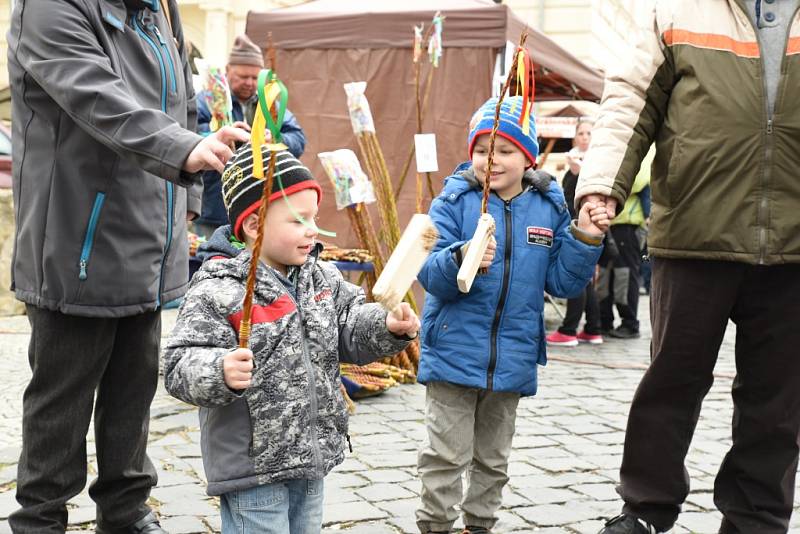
(598,32)
(211,25)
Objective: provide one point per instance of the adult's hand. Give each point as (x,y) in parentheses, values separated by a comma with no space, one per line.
(574,163)
(608,201)
(214,151)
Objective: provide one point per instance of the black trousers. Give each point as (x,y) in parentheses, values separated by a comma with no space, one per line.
(625,280)
(72,358)
(586,301)
(691,302)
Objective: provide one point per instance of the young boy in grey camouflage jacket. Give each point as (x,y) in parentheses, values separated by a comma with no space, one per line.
(273,421)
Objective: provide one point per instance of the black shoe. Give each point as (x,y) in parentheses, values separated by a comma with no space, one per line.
(475,530)
(146,525)
(627,524)
(624,332)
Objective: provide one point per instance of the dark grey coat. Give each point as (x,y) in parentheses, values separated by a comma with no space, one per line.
(102,100)
(292,422)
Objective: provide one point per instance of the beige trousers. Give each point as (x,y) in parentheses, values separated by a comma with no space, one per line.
(469,430)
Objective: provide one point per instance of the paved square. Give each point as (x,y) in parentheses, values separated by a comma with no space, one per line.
(563,468)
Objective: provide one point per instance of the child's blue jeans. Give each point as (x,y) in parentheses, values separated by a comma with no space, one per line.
(288,507)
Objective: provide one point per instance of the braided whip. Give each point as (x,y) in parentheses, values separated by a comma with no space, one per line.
(512,75)
(271,93)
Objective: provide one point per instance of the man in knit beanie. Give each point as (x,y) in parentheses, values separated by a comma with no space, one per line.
(245,61)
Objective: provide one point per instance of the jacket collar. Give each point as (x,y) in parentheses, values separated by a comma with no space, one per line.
(152,5)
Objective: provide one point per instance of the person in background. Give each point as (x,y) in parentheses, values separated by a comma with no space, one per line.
(625,277)
(245,61)
(567,334)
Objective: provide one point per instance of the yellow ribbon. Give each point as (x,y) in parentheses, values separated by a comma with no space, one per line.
(258,137)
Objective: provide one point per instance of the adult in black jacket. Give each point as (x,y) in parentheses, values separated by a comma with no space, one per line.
(104,152)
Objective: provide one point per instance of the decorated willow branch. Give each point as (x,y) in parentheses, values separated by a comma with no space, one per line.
(520,81)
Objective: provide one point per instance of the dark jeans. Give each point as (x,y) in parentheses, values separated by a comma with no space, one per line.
(586,301)
(691,303)
(625,280)
(71,359)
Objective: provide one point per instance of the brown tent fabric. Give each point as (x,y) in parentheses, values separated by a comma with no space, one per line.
(322,45)
(336,24)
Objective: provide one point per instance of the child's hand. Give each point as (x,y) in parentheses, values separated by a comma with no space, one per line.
(237,367)
(403,321)
(593,218)
(488,256)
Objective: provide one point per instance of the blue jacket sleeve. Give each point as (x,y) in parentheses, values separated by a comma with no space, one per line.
(292,134)
(439,272)
(571,264)
(203,115)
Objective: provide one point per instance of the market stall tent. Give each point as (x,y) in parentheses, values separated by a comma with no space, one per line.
(323,44)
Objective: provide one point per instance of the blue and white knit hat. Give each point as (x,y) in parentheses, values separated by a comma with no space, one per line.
(511,126)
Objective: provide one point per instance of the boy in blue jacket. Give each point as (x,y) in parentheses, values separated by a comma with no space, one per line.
(480,350)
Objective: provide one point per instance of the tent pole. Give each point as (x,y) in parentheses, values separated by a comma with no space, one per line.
(550,144)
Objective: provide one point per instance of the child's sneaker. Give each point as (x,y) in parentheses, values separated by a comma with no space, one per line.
(593,339)
(475,530)
(557,339)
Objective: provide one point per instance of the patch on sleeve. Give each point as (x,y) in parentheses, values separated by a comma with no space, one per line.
(540,236)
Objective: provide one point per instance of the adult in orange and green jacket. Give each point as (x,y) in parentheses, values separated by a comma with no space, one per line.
(712,83)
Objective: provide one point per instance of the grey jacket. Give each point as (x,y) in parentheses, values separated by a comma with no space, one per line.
(102,99)
(291,422)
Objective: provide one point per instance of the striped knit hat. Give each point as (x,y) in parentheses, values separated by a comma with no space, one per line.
(509,126)
(241,192)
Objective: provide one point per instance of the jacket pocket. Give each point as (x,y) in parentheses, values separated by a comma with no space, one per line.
(675,177)
(440,326)
(88,239)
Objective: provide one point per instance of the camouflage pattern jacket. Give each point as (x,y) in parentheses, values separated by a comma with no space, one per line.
(292,422)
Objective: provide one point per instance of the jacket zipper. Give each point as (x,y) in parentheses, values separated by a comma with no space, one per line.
(502,302)
(763,205)
(312,380)
(88,240)
(137,25)
(168,56)
(168,185)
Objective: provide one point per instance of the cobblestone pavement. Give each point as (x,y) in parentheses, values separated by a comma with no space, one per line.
(563,468)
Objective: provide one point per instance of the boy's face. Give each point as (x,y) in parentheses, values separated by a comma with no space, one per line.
(508,165)
(287,241)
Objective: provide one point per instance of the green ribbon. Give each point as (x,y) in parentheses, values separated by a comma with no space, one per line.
(299,217)
(265,77)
